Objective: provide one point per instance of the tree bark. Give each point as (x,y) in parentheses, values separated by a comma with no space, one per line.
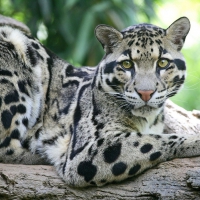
(176,179)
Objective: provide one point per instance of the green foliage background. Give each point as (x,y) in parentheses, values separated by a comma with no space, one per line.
(67,28)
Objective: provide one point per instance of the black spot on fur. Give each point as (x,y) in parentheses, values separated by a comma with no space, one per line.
(116,82)
(158,42)
(155,136)
(6,118)
(9,152)
(21,109)
(90,150)
(5,73)
(29,82)
(4,81)
(109,68)
(13,109)
(180,142)
(100,142)
(32,56)
(15,134)
(77,112)
(25,122)
(176,79)
(127,53)
(25,143)
(64,167)
(165,51)
(77,72)
(136,144)
(139,134)
(113,84)
(96,133)
(119,168)
(35,45)
(16,73)
(69,70)
(180,64)
(118,134)
(22,87)
(175,152)
(137,44)
(4,34)
(112,153)
(163,143)
(93,183)
(87,170)
(100,126)
(155,121)
(127,135)
(160,105)
(11,97)
(6,142)
(96,111)
(62,156)
(173,137)
(171,142)
(175,143)
(155,156)
(134,169)
(130,42)
(17,122)
(50,141)
(146,148)
(37,133)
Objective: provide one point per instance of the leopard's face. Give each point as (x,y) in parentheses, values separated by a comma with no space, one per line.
(143,69)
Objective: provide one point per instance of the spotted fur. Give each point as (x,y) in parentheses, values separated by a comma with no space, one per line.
(98,124)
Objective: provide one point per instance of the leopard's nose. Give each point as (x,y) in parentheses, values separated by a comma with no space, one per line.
(145,95)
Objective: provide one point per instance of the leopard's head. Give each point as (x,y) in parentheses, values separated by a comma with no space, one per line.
(143,65)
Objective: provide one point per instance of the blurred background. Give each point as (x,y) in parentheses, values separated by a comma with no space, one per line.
(67,28)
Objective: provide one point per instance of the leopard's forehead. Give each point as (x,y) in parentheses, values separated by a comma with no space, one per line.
(145,40)
(141,29)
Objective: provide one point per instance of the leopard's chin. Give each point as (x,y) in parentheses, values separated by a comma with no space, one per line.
(144,111)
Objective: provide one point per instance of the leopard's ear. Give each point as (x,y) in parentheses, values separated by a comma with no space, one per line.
(178,31)
(108,37)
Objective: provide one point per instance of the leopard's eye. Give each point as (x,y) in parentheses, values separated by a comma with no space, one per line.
(127,64)
(163,63)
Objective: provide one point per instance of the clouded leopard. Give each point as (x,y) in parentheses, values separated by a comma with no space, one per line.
(97,124)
